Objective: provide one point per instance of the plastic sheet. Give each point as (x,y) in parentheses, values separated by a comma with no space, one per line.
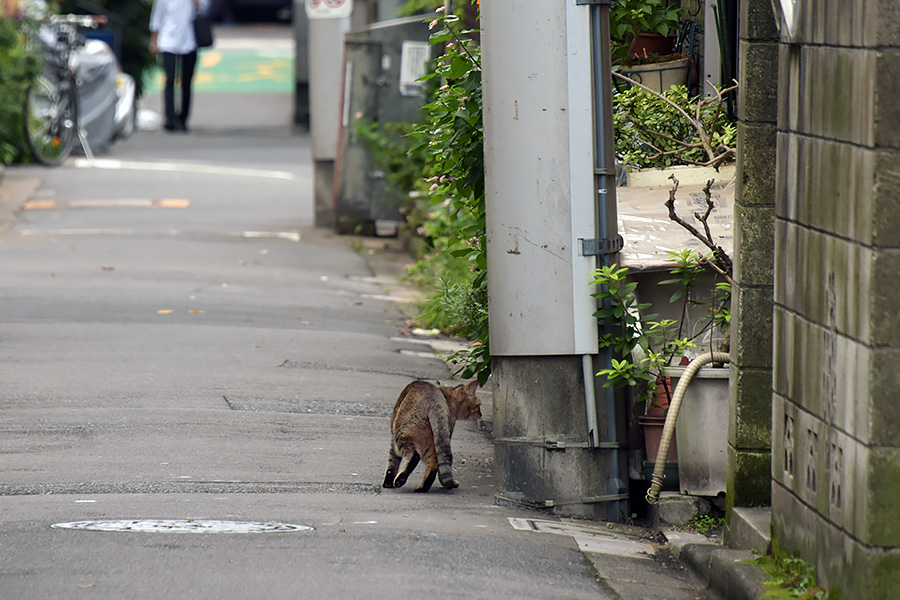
(649,232)
(96,69)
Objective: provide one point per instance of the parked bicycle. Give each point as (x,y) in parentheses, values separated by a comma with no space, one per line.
(51,103)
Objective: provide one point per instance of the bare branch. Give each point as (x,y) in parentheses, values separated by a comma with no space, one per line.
(721,262)
(709,207)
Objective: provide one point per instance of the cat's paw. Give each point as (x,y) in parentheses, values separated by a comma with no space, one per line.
(388,479)
(445,474)
(400,480)
(422,488)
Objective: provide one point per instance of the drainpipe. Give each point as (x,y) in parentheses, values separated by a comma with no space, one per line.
(609,241)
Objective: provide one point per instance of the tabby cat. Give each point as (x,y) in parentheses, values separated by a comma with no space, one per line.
(421,426)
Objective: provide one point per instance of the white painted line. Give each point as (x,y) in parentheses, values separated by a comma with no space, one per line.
(292,236)
(52,232)
(113,164)
(112,203)
(382,297)
(420,354)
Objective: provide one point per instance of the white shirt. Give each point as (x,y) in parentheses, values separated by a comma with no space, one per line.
(173,20)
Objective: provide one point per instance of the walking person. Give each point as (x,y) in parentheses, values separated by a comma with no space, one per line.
(172,37)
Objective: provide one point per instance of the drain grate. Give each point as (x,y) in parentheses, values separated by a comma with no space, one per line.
(182,526)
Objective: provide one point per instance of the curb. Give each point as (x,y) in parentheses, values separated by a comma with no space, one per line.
(728,572)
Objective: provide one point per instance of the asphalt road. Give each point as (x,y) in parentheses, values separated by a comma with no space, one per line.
(178,342)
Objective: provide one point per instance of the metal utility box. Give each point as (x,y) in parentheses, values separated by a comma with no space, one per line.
(381,66)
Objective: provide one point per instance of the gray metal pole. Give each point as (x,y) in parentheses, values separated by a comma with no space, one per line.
(609,241)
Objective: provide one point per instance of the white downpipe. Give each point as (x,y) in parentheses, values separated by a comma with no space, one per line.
(590,400)
(672,415)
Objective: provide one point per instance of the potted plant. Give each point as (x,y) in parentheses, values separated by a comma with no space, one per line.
(644,345)
(642,40)
(648,348)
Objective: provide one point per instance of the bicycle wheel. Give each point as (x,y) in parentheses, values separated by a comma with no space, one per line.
(51,118)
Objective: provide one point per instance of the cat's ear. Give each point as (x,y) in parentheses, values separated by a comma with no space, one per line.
(472,387)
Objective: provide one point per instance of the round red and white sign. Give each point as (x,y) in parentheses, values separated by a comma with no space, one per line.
(328,9)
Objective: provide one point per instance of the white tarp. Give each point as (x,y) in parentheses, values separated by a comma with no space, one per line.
(649,233)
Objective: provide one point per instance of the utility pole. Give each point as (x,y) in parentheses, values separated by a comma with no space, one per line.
(551,218)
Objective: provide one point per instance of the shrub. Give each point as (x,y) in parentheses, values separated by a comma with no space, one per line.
(18,68)
(672,128)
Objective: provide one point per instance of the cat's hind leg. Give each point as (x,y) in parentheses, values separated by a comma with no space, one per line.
(430,460)
(445,474)
(409,462)
(392,468)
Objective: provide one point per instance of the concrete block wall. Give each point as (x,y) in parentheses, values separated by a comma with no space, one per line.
(749,439)
(836,365)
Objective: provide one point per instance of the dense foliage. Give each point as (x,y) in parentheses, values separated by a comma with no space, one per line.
(644,343)
(17,69)
(452,138)
(442,162)
(650,132)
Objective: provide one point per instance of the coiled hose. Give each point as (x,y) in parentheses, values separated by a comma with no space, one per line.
(672,415)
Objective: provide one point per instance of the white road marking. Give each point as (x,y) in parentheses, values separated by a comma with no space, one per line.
(291,236)
(114,164)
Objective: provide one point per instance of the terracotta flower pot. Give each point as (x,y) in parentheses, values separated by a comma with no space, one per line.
(652,426)
(653,43)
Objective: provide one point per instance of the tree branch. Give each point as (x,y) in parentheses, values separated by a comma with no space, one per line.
(721,262)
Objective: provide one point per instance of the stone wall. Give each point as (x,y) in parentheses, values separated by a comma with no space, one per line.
(836,418)
(749,442)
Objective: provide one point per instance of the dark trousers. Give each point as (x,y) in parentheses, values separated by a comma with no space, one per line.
(175,65)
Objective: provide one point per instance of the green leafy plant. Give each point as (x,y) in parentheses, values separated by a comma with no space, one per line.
(689,266)
(630,18)
(653,129)
(791,577)
(453,140)
(18,68)
(704,524)
(645,345)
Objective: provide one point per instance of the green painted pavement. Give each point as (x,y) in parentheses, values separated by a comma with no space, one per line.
(237,70)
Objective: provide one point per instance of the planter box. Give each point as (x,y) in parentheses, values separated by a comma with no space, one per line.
(702,432)
(659,76)
(670,475)
(687,176)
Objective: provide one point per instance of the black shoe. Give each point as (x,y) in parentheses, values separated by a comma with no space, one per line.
(182,126)
(170,126)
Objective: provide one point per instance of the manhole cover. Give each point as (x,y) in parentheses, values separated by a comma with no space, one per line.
(182,526)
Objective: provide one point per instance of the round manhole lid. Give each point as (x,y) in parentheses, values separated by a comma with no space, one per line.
(182,526)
